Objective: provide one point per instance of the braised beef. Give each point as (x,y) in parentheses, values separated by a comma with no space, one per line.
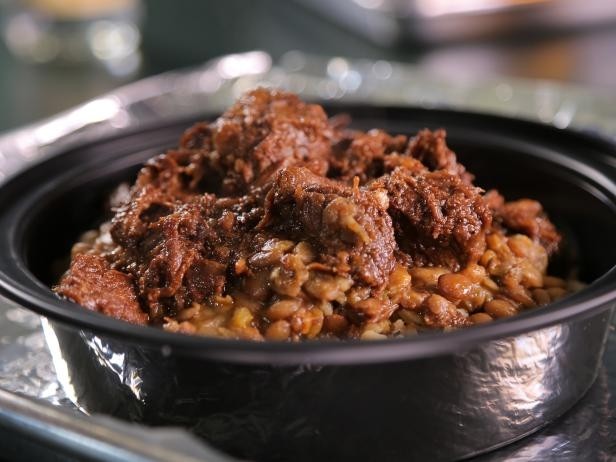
(276,222)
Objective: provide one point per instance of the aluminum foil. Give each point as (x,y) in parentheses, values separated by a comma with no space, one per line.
(587,432)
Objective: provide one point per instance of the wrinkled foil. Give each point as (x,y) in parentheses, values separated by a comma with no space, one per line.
(586,432)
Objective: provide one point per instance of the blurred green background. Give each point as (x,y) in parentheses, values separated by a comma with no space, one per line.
(179,34)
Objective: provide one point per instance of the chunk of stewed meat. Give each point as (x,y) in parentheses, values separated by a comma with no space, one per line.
(91,282)
(348,225)
(439,219)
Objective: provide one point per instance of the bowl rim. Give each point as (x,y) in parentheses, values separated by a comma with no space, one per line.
(18,284)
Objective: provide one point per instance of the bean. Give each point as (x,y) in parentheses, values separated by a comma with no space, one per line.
(439,306)
(287,279)
(475,273)
(552,281)
(455,286)
(279,330)
(335,323)
(282,309)
(556,292)
(530,276)
(412,299)
(480,318)
(410,317)
(372,335)
(242,317)
(304,251)
(520,245)
(188,313)
(500,308)
(487,258)
(312,323)
(399,279)
(427,277)
(489,284)
(541,296)
(326,287)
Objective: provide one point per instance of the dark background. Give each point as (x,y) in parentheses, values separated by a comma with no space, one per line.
(178,34)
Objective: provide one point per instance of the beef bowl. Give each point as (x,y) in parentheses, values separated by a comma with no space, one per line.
(432,396)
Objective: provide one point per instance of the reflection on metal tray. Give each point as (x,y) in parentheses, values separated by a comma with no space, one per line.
(585,433)
(388,21)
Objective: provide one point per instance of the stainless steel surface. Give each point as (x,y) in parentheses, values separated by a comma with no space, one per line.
(216,84)
(99,437)
(587,432)
(528,366)
(388,21)
(484,398)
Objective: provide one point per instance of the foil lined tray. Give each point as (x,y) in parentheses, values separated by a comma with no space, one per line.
(587,432)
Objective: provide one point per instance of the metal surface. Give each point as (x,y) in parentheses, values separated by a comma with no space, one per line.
(587,432)
(388,21)
(441,408)
(216,84)
(98,437)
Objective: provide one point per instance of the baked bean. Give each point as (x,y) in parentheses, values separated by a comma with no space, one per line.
(439,306)
(500,308)
(242,318)
(552,281)
(279,330)
(287,279)
(454,286)
(411,299)
(574,286)
(541,296)
(335,323)
(410,317)
(530,276)
(304,251)
(520,245)
(480,318)
(326,308)
(282,309)
(397,326)
(381,327)
(475,273)
(313,323)
(270,253)
(257,285)
(489,284)
(426,277)
(372,335)
(371,307)
(399,280)
(556,292)
(488,259)
(188,313)
(327,287)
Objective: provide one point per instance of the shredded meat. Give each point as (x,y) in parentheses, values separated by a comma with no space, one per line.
(92,283)
(349,227)
(440,220)
(275,222)
(430,148)
(525,216)
(363,155)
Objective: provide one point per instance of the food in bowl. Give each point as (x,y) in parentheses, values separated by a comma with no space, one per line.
(276,222)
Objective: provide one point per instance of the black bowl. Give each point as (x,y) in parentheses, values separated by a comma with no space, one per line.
(436,396)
